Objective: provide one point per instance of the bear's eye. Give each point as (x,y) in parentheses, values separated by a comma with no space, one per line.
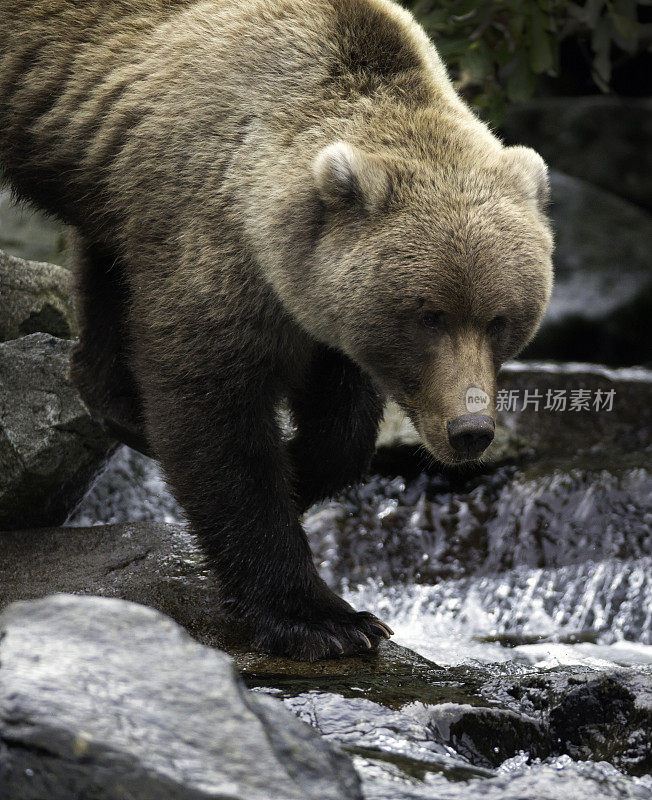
(497,326)
(433,320)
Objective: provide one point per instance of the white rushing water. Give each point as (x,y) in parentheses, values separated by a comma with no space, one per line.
(454,622)
(516,779)
(607,605)
(595,614)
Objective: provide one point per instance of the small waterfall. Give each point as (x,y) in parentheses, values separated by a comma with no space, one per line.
(604,603)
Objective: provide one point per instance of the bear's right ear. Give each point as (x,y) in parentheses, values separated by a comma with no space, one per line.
(531,171)
(348,178)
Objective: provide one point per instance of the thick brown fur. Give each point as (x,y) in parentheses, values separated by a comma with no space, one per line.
(270,197)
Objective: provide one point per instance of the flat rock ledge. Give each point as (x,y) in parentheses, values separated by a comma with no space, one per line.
(111,700)
(160,566)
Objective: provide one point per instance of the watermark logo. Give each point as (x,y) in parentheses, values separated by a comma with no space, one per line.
(476,400)
(555,400)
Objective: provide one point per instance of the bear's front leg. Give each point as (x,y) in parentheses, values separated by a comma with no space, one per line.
(337,410)
(223,454)
(99,364)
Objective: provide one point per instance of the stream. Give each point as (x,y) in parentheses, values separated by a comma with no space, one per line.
(534,566)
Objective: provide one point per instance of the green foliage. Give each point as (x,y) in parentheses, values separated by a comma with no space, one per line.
(497,48)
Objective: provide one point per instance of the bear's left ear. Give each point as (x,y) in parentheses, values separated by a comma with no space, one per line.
(531,171)
(347,178)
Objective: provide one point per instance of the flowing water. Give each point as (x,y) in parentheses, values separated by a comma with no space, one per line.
(592,612)
(515,568)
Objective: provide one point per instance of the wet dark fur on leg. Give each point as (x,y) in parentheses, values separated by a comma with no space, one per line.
(99,365)
(235,477)
(337,411)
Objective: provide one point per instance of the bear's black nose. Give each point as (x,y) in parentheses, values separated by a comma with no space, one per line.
(471,434)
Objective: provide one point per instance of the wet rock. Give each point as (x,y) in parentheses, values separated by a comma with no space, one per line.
(587,714)
(367,729)
(594,721)
(603,140)
(488,736)
(157,565)
(602,298)
(393,676)
(108,699)
(475,719)
(50,448)
(27,233)
(36,298)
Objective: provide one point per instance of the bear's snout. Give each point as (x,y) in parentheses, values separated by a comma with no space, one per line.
(470,434)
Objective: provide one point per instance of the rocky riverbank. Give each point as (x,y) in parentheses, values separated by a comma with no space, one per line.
(105,697)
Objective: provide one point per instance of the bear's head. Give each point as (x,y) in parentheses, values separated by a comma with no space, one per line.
(429,277)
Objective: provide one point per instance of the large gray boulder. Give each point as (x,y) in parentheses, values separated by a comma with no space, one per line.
(110,700)
(603,140)
(603,247)
(602,298)
(35,298)
(50,447)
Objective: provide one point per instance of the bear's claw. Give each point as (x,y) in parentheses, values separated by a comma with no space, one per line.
(307,640)
(382,629)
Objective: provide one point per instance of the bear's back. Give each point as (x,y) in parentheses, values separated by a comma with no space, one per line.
(77,78)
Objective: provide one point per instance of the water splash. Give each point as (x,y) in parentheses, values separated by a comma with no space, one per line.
(590,613)
(557,778)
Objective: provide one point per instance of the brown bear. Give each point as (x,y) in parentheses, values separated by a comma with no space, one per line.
(276,201)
